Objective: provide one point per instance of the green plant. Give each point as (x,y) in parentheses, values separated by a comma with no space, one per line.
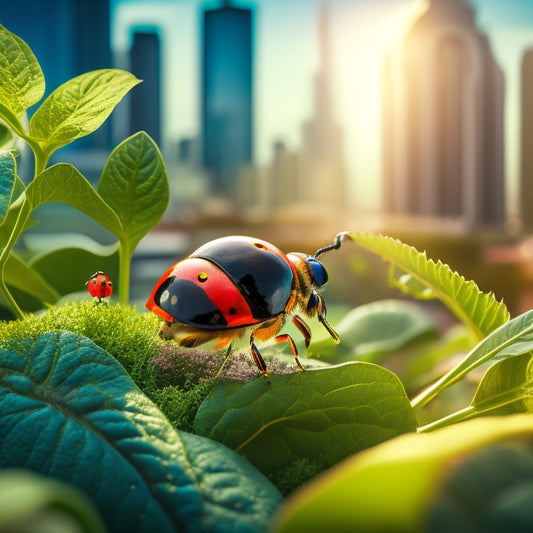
(132,193)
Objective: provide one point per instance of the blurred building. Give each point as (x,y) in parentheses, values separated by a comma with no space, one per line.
(323,181)
(226,95)
(145,100)
(443,120)
(526,193)
(312,178)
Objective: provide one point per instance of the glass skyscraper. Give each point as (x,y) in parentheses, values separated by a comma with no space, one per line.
(227,95)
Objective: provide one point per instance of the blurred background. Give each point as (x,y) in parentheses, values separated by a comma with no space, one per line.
(293,120)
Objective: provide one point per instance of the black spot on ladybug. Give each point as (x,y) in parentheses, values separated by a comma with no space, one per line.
(232,311)
(259,245)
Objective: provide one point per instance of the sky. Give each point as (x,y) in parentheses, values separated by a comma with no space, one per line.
(286,59)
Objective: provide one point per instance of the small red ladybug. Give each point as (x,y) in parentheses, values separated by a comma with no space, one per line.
(99,286)
(236,284)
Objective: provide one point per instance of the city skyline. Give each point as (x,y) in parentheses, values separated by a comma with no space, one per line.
(286,86)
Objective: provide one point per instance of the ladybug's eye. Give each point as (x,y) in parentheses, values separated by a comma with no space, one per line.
(318,271)
(202,277)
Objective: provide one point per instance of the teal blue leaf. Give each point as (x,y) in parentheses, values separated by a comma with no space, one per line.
(70,411)
(322,415)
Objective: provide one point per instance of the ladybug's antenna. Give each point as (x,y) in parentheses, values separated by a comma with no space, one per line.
(335,246)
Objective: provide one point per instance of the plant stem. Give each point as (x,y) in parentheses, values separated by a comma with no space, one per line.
(9,297)
(124,272)
(454,418)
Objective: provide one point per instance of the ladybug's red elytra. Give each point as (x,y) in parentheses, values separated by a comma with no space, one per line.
(99,286)
(237,284)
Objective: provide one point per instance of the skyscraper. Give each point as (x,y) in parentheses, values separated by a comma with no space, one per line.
(443,120)
(227,95)
(145,100)
(526,180)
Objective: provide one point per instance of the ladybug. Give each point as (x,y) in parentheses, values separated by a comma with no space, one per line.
(236,284)
(99,286)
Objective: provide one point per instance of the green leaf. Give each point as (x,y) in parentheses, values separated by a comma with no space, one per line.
(21,77)
(371,330)
(69,411)
(134,184)
(6,137)
(393,486)
(27,279)
(323,415)
(506,387)
(8,173)
(29,502)
(68,267)
(64,183)
(480,311)
(512,339)
(79,106)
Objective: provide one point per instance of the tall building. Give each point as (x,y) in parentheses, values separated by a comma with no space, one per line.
(443,120)
(526,180)
(145,100)
(323,179)
(227,95)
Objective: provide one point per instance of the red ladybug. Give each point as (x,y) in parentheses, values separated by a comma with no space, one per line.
(99,286)
(236,284)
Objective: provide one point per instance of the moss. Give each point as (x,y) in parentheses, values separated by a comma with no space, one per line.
(180,406)
(126,334)
(293,477)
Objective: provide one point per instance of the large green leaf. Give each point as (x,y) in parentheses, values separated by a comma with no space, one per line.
(8,171)
(24,277)
(396,485)
(513,338)
(323,415)
(425,278)
(371,330)
(135,184)
(70,411)
(68,267)
(79,106)
(64,183)
(32,503)
(21,77)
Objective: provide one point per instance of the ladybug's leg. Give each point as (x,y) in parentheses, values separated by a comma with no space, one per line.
(321,312)
(287,338)
(226,357)
(303,328)
(258,359)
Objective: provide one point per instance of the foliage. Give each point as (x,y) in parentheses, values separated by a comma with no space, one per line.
(132,193)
